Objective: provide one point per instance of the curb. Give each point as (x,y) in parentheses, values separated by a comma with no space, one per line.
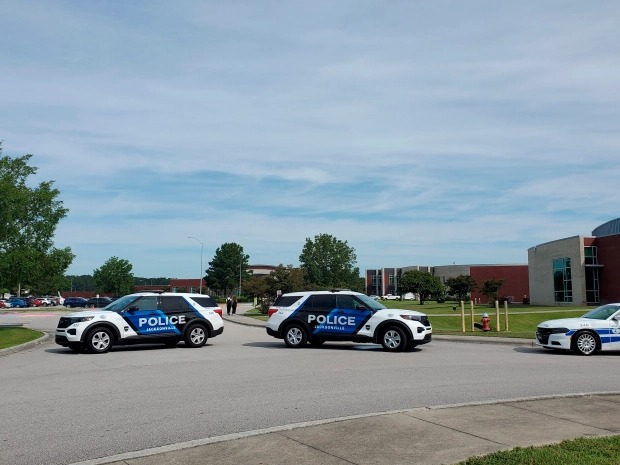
(27,345)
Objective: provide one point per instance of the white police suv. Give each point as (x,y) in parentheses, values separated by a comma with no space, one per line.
(319,316)
(599,329)
(147,317)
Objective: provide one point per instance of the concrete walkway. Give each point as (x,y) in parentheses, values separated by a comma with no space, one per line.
(436,435)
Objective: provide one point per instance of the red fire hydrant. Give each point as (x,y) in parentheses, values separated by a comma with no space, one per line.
(485,322)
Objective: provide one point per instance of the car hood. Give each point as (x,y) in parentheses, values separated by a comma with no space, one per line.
(399,311)
(569,323)
(94,312)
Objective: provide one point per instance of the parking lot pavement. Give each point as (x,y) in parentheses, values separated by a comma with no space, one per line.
(436,435)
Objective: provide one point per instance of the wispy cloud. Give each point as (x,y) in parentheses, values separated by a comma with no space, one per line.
(421,133)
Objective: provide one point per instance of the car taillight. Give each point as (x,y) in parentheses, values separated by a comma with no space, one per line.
(218,311)
(272,311)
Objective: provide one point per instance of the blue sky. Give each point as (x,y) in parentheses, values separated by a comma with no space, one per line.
(422,133)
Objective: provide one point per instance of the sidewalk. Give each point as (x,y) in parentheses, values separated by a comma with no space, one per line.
(436,435)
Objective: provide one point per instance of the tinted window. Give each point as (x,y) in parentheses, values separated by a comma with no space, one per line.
(145,303)
(345,301)
(206,302)
(286,300)
(321,302)
(174,304)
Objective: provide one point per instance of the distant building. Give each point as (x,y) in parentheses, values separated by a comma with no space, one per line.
(577,270)
(515,289)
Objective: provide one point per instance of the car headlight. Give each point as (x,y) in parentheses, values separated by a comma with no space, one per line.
(81,319)
(417,318)
(560,330)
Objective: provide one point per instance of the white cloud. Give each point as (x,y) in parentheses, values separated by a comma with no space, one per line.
(421,133)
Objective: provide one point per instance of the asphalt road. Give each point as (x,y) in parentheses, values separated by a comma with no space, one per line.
(58,407)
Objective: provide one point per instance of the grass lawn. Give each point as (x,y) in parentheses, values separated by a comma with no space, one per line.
(10,337)
(593,451)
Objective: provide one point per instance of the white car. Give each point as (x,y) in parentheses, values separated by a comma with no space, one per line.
(319,316)
(599,329)
(147,317)
(390,297)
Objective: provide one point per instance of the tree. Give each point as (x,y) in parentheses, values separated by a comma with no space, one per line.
(28,220)
(422,283)
(329,263)
(228,268)
(285,279)
(461,286)
(114,277)
(491,288)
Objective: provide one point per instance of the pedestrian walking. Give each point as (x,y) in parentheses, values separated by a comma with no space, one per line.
(234,305)
(228,305)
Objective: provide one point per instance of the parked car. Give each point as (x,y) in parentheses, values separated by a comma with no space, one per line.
(599,329)
(72,302)
(5,304)
(98,302)
(18,302)
(144,317)
(318,316)
(390,297)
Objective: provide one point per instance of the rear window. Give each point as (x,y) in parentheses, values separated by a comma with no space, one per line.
(206,302)
(286,300)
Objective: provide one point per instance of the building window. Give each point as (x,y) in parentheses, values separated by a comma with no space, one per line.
(391,279)
(562,280)
(374,279)
(592,285)
(589,253)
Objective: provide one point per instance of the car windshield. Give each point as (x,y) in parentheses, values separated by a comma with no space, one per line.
(602,313)
(371,303)
(119,304)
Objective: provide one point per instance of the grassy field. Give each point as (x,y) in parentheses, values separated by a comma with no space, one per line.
(594,451)
(10,337)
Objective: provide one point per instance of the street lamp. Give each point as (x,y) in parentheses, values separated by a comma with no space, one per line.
(201,270)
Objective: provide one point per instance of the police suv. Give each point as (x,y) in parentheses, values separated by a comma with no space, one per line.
(319,316)
(147,317)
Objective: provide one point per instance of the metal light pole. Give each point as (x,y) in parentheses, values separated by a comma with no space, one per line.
(239,295)
(201,270)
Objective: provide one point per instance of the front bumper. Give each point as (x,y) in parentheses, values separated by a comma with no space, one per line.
(553,341)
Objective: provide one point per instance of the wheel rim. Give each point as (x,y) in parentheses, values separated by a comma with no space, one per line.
(294,336)
(392,339)
(101,340)
(197,335)
(586,343)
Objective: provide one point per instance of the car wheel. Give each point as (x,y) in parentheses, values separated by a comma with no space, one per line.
(316,342)
(585,343)
(394,339)
(99,340)
(295,336)
(196,336)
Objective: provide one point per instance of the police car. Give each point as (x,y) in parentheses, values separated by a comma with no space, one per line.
(319,316)
(598,329)
(147,317)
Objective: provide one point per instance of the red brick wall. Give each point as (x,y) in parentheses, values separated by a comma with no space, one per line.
(608,251)
(516,280)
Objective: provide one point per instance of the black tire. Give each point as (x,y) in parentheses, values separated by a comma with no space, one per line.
(585,343)
(316,342)
(99,340)
(295,336)
(196,336)
(394,339)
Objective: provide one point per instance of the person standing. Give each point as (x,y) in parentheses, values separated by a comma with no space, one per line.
(234,305)
(228,305)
